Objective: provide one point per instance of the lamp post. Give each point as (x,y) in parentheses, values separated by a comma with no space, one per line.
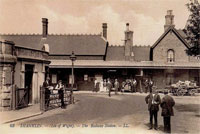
(72,58)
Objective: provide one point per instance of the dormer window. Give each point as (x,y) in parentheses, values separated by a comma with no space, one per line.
(170,56)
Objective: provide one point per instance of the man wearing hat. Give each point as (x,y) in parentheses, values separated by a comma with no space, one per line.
(167,104)
(60,89)
(153,100)
(47,92)
(133,85)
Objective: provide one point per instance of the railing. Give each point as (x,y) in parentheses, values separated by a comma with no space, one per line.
(53,99)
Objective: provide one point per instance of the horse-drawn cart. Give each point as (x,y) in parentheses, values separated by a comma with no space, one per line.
(184,88)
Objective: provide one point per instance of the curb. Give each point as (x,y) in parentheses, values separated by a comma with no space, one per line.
(106,93)
(22,118)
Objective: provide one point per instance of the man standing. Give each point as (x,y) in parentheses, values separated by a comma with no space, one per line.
(150,85)
(167,104)
(146,84)
(95,85)
(47,92)
(109,87)
(153,100)
(116,86)
(134,84)
(104,85)
(60,89)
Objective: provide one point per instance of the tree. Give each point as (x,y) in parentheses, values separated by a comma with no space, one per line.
(192,28)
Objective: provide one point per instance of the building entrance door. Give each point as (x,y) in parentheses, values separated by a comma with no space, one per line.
(28,82)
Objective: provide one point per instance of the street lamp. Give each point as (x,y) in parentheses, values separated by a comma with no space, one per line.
(72,58)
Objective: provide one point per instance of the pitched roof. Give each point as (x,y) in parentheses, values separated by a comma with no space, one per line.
(28,41)
(176,32)
(141,53)
(62,44)
(116,53)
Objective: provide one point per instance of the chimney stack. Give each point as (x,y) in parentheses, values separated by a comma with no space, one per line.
(128,42)
(169,20)
(44,27)
(127,26)
(104,26)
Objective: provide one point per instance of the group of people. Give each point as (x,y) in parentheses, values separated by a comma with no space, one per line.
(106,85)
(60,90)
(153,100)
(127,85)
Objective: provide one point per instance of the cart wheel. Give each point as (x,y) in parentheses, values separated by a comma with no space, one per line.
(180,93)
(192,92)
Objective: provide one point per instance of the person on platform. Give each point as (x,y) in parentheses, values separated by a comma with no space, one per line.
(60,88)
(133,85)
(98,86)
(146,85)
(150,84)
(104,85)
(95,85)
(47,92)
(153,100)
(109,87)
(116,86)
(167,104)
(101,86)
(123,86)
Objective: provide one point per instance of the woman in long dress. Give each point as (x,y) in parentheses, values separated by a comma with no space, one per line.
(101,86)
(104,85)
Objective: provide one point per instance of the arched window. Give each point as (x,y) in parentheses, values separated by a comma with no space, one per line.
(170,56)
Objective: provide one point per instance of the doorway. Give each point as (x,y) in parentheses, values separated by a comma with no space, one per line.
(28,82)
(169,79)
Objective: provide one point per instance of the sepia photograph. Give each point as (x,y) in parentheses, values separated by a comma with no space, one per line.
(100,66)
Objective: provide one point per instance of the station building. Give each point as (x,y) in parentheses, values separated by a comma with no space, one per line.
(26,60)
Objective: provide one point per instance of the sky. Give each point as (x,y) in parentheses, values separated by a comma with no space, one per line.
(146,17)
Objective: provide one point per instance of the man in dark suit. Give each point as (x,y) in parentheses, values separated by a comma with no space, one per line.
(109,87)
(47,92)
(146,85)
(150,85)
(133,85)
(153,100)
(60,88)
(167,104)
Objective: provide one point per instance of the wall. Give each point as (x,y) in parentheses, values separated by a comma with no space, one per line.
(7,62)
(159,78)
(181,74)
(12,71)
(38,77)
(37,58)
(170,41)
(194,59)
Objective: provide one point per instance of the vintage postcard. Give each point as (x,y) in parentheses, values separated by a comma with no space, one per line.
(100,66)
